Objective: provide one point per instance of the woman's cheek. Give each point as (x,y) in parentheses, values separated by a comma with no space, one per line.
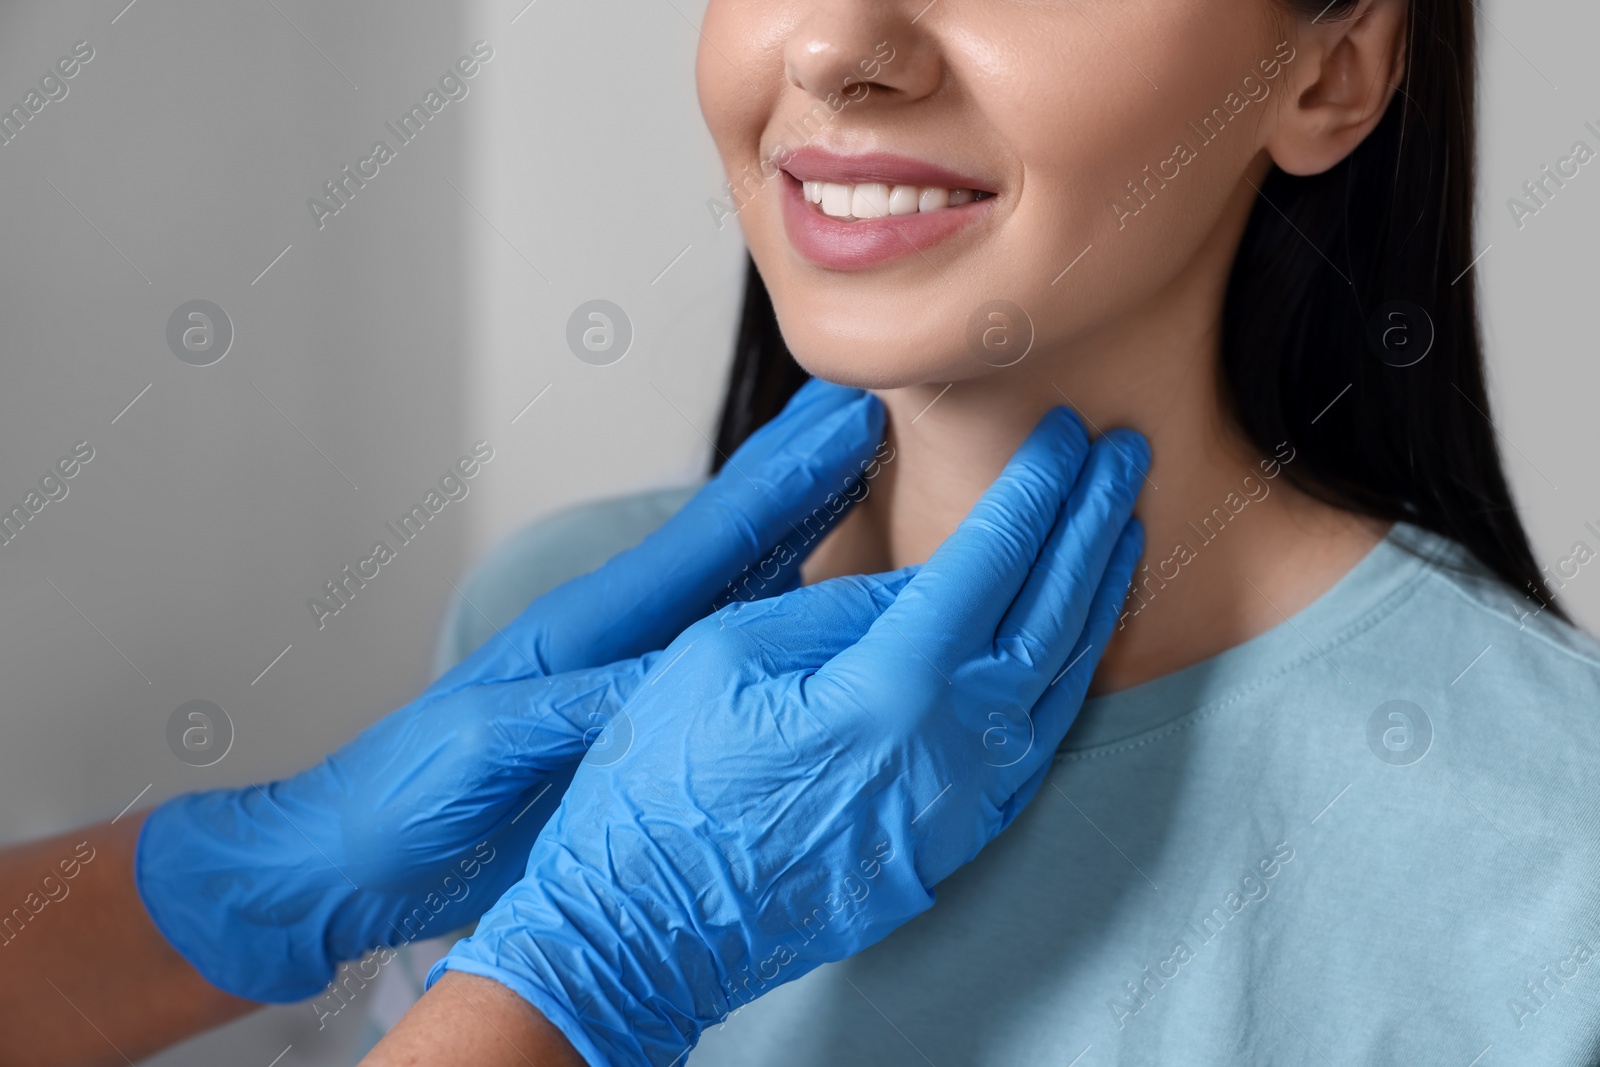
(737,80)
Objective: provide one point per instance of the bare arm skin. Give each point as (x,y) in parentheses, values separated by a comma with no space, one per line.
(473,1021)
(85,977)
(87,980)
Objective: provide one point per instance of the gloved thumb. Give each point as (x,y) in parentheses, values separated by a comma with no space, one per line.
(460,760)
(808,626)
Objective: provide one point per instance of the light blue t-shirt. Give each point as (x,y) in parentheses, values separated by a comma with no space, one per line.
(1366,836)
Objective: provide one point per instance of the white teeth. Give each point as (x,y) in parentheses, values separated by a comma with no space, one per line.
(873,200)
(870,201)
(835,200)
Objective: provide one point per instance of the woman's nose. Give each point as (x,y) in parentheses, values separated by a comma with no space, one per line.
(840,44)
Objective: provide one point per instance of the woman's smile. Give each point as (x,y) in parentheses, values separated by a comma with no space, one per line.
(877,132)
(852,212)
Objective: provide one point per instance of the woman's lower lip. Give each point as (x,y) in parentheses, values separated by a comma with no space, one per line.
(863,243)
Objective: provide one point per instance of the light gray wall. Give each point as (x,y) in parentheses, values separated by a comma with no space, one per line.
(366,360)
(416,321)
(1538,281)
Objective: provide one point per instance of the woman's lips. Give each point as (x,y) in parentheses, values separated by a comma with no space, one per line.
(857,244)
(811,163)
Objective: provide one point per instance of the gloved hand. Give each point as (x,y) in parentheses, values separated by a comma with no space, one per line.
(266,889)
(804,770)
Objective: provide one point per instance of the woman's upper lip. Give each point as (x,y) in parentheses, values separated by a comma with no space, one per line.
(810,163)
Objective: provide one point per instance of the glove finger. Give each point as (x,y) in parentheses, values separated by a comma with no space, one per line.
(1056,710)
(741,537)
(948,614)
(457,775)
(1048,616)
(552,722)
(1023,796)
(805,628)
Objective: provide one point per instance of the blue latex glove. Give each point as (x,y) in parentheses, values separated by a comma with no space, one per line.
(416,826)
(803,770)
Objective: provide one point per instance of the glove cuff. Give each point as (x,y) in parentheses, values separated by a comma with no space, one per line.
(621,994)
(217,885)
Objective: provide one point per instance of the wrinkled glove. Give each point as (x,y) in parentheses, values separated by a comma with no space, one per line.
(803,770)
(266,889)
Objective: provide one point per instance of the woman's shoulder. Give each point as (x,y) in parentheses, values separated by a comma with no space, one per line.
(543,555)
(1508,689)
(1464,601)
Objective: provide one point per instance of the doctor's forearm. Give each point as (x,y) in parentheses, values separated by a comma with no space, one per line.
(473,1022)
(85,977)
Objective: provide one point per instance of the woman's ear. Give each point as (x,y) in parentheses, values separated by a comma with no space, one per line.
(1346,73)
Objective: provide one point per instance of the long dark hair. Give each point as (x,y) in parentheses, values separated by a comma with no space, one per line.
(1326,265)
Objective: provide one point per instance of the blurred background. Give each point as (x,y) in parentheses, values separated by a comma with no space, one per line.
(358,354)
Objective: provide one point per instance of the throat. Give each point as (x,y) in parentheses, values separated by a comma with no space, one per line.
(1232,548)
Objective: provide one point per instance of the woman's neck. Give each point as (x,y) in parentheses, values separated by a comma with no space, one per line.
(1231,548)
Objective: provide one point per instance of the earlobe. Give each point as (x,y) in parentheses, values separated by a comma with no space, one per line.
(1346,74)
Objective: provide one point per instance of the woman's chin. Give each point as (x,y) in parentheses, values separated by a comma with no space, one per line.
(879,373)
